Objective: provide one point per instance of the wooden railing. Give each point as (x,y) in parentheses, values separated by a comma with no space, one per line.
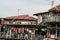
(52,19)
(17,23)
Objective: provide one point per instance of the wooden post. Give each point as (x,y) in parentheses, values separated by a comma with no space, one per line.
(18,36)
(10,33)
(7,35)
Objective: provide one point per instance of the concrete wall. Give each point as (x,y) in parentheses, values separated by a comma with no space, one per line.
(39,19)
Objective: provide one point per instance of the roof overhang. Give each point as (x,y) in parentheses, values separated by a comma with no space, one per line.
(41,13)
(14,25)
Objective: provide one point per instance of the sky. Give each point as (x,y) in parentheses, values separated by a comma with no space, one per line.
(26,7)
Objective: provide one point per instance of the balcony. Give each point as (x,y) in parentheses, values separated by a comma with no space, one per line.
(52,19)
(19,23)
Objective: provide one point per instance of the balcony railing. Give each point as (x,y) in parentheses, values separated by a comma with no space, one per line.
(18,23)
(52,19)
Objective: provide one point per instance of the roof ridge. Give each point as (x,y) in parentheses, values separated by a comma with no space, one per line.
(55,8)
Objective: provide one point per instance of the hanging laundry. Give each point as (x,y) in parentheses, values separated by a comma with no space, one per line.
(22,30)
(19,30)
(14,29)
(2,29)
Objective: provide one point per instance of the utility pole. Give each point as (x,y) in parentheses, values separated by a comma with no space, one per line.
(52,3)
(55,18)
(18,11)
(18,18)
(18,14)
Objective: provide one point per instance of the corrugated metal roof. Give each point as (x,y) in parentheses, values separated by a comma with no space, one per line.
(24,17)
(56,8)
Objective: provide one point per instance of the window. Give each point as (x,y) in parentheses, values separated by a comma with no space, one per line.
(43,19)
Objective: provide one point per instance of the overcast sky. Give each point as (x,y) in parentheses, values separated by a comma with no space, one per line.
(30,7)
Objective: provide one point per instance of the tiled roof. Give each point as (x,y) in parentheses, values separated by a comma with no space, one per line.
(56,8)
(23,17)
